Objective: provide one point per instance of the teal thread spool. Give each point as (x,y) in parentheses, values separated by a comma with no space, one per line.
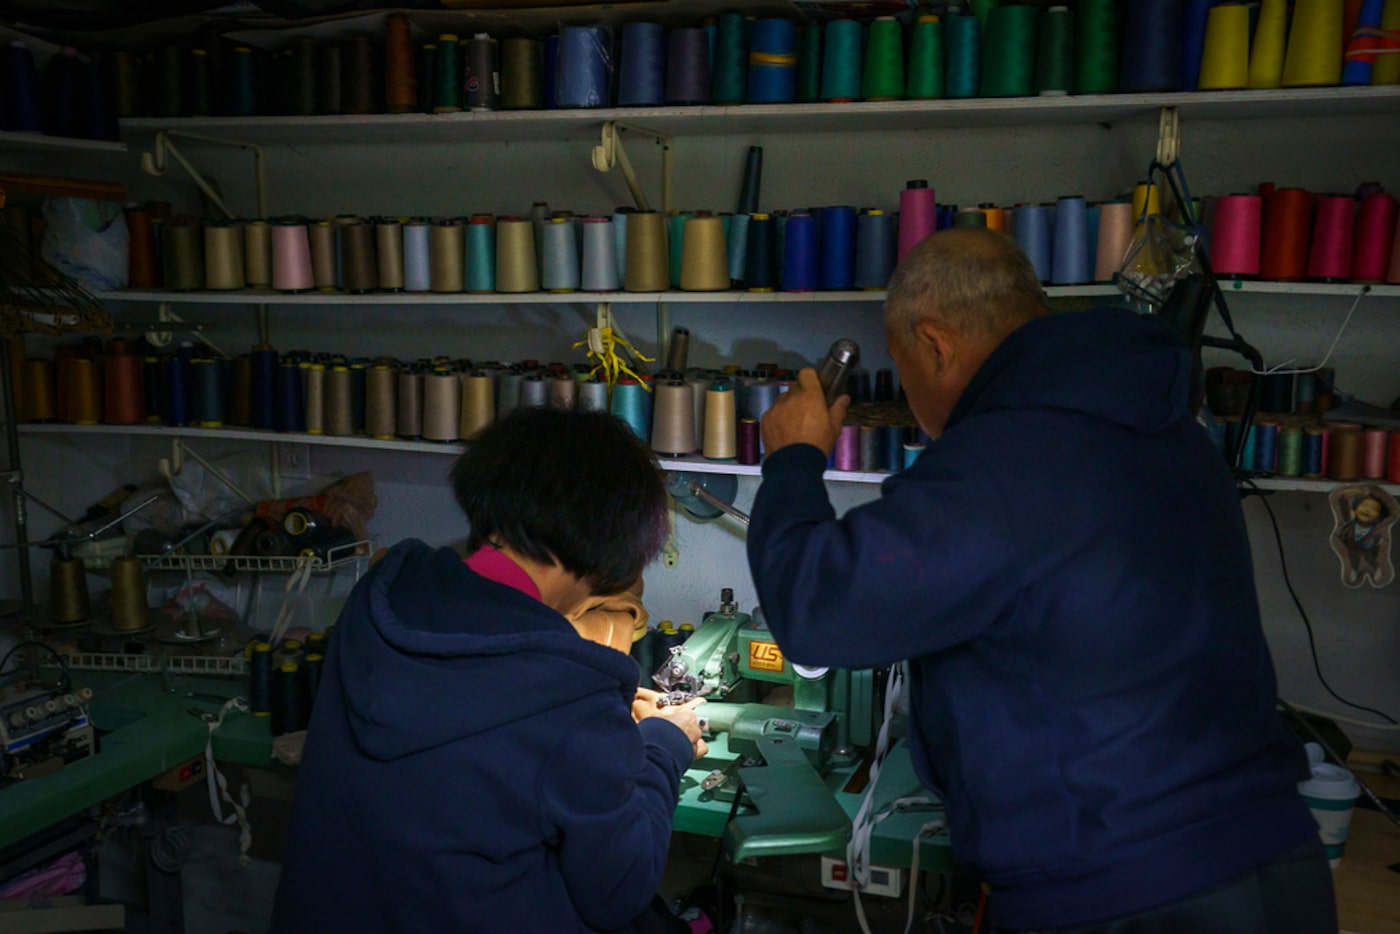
(427,74)
(731,60)
(809,63)
(1096,47)
(924,80)
(1008,57)
(883,76)
(962,38)
(1054,55)
(631,402)
(481,253)
(677,245)
(447,76)
(841,61)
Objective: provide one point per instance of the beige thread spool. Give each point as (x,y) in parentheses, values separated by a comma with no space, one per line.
(720,439)
(68,591)
(1115,236)
(442,406)
(340,415)
(563,393)
(257,254)
(322,238)
(516,269)
(129,610)
(314,376)
(673,420)
(381,391)
(388,248)
(447,256)
(699,390)
(408,422)
(478,403)
(223,257)
(647,266)
(704,256)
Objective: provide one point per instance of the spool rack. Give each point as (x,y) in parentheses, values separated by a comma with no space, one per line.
(231,666)
(338,557)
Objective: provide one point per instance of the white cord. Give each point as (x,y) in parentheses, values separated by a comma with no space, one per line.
(297,581)
(218,785)
(1313,369)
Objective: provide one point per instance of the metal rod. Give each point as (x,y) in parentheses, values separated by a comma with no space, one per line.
(705,496)
(26,578)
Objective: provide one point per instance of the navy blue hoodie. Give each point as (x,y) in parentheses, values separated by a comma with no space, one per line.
(1068,572)
(472,765)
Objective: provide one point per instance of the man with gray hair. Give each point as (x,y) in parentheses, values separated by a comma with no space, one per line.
(1067,571)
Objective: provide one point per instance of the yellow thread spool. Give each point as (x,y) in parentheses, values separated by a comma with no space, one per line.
(1225,61)
(257,254)
(223,257)
(478,403)
(1270,43)
(704,257)
(129,611)
(447,256)
(720,439)
(68,592)
(1314,57)
(1147,200)
(84,391)
(1386,70)
(647,267)
(516,269)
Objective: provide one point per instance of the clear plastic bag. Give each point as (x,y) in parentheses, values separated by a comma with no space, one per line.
(1161,253)
(87,241)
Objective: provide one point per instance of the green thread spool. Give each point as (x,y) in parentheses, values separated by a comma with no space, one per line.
(447,76)
(522,74)
(677,245)
(883,76)
(1008,56)
(841,61)
(126,81)
(982,10)
(973,218)
(730,81)
(1054,57)
(962,39)
(809,64)
(1096,47)
(926,66)
(1290,452)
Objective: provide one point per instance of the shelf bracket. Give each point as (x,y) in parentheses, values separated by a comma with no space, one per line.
(157,160)
(1168,137)
(610,152)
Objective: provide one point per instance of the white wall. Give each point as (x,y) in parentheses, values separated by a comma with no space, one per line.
(1356,631)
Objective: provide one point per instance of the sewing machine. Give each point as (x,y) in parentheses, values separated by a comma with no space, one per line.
(42,728)
(734,663)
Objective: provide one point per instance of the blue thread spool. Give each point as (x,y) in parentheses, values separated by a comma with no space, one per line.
(1276,393)
(1193,42)
(241,95)
(582,79)
(641,77)
(838,247)
(1265,446)
(644,654)
(262,381)
(259,678)
(561,263)
(551,72)
(841,61)
(288,705)
(773,61)
(619,227)
(1357,71)
(875,249)
(911,454)
(1247,455)
(507,392)
(417,276)
(592,396)
(1312,452)
(759,272)
(1033,235)
(738,244)
(1071,264)
(688,66)
(630,402)
(600,266)
(962,39)
(481,254)
(892,447)
(207,393)
(290,412)
(1304,392)
(779,244)
(175,390)
(22,109)
(800,254)
(1154,31)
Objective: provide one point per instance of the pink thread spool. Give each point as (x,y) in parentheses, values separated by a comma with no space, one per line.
(1234,239)
(1373,238)
(1393,474)
(1393,276)
(846,456)
(918,215)
(291,257)
(1330,258)
(1377,452)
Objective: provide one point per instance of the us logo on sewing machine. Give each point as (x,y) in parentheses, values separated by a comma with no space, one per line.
(765,656)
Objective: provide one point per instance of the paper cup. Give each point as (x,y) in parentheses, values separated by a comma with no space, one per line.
(1331,796)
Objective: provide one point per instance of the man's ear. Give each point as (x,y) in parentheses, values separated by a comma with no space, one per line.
(935,345)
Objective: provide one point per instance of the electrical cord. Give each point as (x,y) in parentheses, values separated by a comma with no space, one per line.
(67,682)
(1307,623)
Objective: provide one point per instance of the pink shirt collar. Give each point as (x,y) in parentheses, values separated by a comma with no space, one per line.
(497,566)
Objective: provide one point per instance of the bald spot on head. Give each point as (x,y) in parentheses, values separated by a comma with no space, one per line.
(973,281)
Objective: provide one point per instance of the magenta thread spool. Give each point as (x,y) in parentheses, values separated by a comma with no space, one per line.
(291,257)
(1234,240)
(748,441)
(1376,453)
(918,214)
(1373,238)
(846,456)
(1330,258)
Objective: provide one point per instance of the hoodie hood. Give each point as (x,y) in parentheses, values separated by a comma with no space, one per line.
(450,640)
(1140,370)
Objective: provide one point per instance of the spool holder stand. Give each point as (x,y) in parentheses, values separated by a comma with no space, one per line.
(610,153)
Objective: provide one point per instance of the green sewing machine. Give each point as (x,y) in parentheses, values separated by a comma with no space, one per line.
(734,663)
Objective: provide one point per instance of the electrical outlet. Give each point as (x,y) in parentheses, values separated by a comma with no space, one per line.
(884,880)
(294,460)
(671,558)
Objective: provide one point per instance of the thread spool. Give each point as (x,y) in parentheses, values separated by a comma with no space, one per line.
(400,72)
(84,392)
(924,76)
(1392,473)
(760,259)
(1008,59)
(381,401)
(408,421)
(388,254)
(1314,55)
(321,236)
(288,410)
(262,386)
(417,264)
(516,269)
(1235,235)
(962,38)
(647,267)
(1115,237)
(875,249)
(223,257)
(563,392)
(68,591)
(1386,70)
(447,241)
(507,392)
(442,406)
(481,79)
(705,260)
(675,242)
(582,72)
(1266,56)
(729,73)
(809,63)
(257,254)
(838,248)
(1096,47)
(314,389)
(687,66)
(522,74)
(238,381)
(478,404)
(182,253)
(918,214)
(642,78)
(1033,234)
(288,705)
(337,406)
(720,440)
(1287,221)
(123,396)
(673,420)
(1373,239)
(592,396)
(677,350)
(128,595)
(599,266)
(142,269)
(753,181)
(630,402)
(772,61)
(800,254)
(841,62)
(1330,256)
(359,266)
(1070,264)
(561,260)
(1346,454)
(291,256)
(447,81)
(1375,453)
(207,393)
(1054,55)
(845,454)
(534,392)
(882,78)
(1225,60)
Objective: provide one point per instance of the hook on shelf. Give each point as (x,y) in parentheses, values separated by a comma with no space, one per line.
(156,162)
(610,153)
(1168,137)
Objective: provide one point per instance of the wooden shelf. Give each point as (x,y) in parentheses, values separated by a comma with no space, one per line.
(1299,485)
(12,140)
(767,119)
